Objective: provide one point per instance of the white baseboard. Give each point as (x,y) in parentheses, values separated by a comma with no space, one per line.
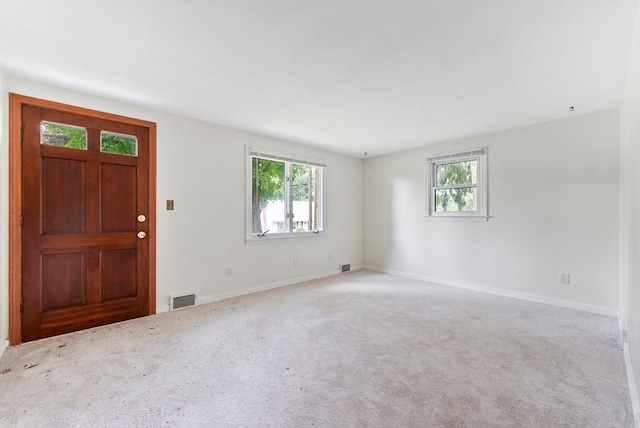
(3,347)
(501,292)
(622,324)
(635,398)
(257,288)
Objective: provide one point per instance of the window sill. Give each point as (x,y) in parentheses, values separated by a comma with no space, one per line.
(457,217)
(282,238)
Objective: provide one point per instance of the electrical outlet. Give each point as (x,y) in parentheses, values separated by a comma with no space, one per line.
(565,278)
(229,272)
(169,204)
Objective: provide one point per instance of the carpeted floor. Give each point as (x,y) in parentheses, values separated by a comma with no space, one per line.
(355,350)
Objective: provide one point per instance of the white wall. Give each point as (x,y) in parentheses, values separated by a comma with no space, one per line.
(630,218)
(554,202)
(202,167)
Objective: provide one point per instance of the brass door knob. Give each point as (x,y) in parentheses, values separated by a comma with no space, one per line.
(142,235)
(142,218)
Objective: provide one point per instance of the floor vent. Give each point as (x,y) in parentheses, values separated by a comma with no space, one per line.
(345,268)
(179,301)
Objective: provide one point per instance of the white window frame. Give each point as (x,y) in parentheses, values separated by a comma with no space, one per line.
(289,160)
(481,213)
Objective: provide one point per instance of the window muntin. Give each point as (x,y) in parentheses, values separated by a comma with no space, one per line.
(284,196)
(456,184)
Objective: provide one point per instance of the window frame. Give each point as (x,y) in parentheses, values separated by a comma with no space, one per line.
(288,160)
(432,163)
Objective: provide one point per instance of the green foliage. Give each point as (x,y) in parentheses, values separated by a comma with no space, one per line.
(64,136)
(76,138)
(455,174)
(301,182)
(268,181)
(267,185)
(457,197)
(120,144)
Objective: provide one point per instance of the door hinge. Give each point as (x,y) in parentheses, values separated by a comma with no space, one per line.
(21,220)
(22,307)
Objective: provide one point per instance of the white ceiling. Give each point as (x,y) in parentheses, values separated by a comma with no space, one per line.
(347,76)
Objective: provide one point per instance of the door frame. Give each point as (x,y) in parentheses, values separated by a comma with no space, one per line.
(16,102)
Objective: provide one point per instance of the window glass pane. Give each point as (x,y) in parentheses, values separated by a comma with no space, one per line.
(456,200)
(268,209)
(457,173)
(55,134)
(118,143)
(305,198)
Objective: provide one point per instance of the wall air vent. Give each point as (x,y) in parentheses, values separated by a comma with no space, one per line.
(179,301)
(345,268)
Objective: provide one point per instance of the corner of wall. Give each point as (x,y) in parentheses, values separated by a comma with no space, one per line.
(629,220)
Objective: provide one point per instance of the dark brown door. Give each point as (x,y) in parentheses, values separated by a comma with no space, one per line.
(85,246)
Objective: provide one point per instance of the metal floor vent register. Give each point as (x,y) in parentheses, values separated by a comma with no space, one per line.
(179,301)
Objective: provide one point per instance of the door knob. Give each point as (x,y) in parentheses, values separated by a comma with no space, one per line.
(142,235)
(142,218)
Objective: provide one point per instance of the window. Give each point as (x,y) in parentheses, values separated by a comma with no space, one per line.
(457,185)
(75,137)
(121,144)
(61,135)
(284,195)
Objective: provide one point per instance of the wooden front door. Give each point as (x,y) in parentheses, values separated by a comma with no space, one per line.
(85,220)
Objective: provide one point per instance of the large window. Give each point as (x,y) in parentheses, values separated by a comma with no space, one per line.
(284,195)
(457,185)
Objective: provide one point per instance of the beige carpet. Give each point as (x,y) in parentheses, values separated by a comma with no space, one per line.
(355,350)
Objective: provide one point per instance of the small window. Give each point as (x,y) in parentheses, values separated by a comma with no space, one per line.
(57,134)
(120,144)
(457,185)
(284,195)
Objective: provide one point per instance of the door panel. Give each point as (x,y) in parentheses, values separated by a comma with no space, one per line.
(117,198)
(82,262)
(64,192)
(63,280)
(118,274)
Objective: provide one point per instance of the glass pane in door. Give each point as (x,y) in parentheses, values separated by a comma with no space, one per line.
(61,135)
(120,144)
